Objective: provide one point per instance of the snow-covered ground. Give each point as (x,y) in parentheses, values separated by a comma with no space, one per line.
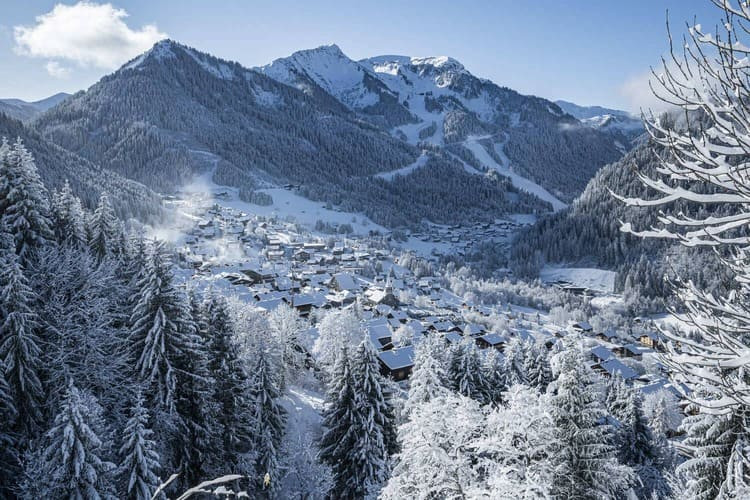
(420,162)
(472,143)
(599,280)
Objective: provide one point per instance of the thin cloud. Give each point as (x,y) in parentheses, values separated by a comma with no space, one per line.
(57,70)
(87,34)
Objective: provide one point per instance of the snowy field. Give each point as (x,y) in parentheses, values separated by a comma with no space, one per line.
(599,280)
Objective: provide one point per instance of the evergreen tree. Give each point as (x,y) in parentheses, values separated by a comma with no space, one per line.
(339,438)
(493,369)
(161,334)
(537,367)
(139,459)
(515,372)
(268,419)
(8,452)
(231,385)
(468,377)
(19,344)
(583,458)
(24,207)
(67,217)
(426,381)
(104,229)
(70,460)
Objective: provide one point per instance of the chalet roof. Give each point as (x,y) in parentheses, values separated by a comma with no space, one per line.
(493,338)
(473,329)
(269,304)
(395,359)
(637,349)
(602,353)
(308,299)
(344,281)
(453,337)
(583,326)
(614,366)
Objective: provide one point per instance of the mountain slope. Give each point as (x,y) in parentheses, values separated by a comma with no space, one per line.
(25,111)
(436,100)
(88,180)
(173,112)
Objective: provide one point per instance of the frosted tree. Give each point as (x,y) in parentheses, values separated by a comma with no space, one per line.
(513,452)
(70,460)
(19,343)
(703,164)
(23,207)
(286,325)
(515,352)
(466,374)
(438,444)
(161,332)
(403,336)
(139,459)
(104,229)
(427,378)
(67,217)
(337,328)
(231,384)
(8,452)
(584,459)
(269,419)
(537,367)
(493,369)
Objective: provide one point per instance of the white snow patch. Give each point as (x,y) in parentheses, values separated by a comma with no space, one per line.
(600,280)
(418,163)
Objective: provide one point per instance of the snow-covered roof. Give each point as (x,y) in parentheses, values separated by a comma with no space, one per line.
(493,338)
(602,353)
(453,337)
(395,359)
(345,281)
(473,329)
(614,366)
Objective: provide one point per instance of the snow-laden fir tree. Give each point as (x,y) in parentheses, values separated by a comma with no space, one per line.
(230,383)
(19,343)
(286,325)
(269,419)
(702,163)
(493,369)
(537,367)
(338,437)
(161,331)
(515,366)
(466,374)
(437,458)
(337,328)
(104,229)
(8,452)
(67,217)
(583,458)
(428,375)
(23,201)
(70,460)
(139,461)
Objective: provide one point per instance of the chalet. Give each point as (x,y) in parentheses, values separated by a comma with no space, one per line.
(601,353)
(302,255)
(608,335)
(375,296)
(651,340)
(582,327)
(631,351)
(446,326)
(269,304)
(453,337)
(343,281)
(397,363)
(491,340)
(259,275)
(473,329)
(304,303)
(614,366)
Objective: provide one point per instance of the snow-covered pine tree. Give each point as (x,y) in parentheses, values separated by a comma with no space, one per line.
(286,325)
(515,372)
(139,461)
(19,343)
(231,384)
(427,378)
(493,368)
(583,458)
(8,453)
(161,331)
(70,460)
(24,207)
(537,367)
(104,229)
(338,437)
(269,419)
(67,217)
(467,374)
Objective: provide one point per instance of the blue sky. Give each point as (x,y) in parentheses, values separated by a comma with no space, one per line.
(586,51)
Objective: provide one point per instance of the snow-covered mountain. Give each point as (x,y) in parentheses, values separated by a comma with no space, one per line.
(173,112)
(604,118)
(25,111)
